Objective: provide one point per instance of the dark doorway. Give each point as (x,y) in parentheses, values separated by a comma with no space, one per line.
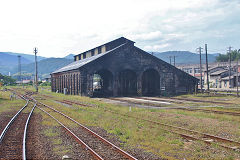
(102,83)
(150,83)
(128,83)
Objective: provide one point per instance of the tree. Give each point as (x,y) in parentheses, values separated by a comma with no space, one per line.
(7,80)
(225,57)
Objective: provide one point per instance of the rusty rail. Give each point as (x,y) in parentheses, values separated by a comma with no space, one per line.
(11,121)
(127,155)
(202,135)
(76,137)
(188,109)
(25,134)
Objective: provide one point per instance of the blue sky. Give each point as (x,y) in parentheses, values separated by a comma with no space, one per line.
(61,27)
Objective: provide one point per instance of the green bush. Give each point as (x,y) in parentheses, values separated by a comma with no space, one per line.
(45,84)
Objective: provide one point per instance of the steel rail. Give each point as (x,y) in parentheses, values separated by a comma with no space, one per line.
(93,133)
(135,102)
(98,157)
(188,109)
(204,135)
(25,134)
(205,101)
(192,131)
(159,99)
(75,136)
(212,111)
(182,99)
(82,104)
(11,121)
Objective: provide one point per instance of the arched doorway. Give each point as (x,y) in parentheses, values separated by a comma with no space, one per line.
(128,83)
(150,83)
(102,83)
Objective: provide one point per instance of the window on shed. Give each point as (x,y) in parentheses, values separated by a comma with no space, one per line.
(197,70)
(99,50)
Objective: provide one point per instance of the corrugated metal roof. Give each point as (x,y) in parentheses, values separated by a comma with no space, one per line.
(80,63)
(227,78)
(218,72)
(125,40)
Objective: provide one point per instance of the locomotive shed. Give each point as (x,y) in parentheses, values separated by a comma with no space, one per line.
(118,68)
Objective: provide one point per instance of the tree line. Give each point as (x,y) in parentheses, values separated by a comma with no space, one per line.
(225,57)
(7,80)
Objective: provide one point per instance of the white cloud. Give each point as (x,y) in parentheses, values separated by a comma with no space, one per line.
(156,47)
(60,27)
(147,36)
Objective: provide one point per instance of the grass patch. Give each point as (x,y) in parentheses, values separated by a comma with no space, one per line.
(50,133)
(148,136)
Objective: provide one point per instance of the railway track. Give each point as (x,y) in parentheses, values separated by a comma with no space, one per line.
(14,136)
(99,147)
(212,111)
(179,108)
(202,101)
(162,100)
(197,109)
(141,101)
(186,133)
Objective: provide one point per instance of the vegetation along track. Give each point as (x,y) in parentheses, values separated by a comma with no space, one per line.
(181,108)
(183,132)
(197,109)
(13,137)
(99,147)
(186,133)
(165,99)
(198,100)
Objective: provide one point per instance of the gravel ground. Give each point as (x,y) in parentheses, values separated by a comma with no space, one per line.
(136,152)
(104,150)
(46,148)
(5,118)
(11,146)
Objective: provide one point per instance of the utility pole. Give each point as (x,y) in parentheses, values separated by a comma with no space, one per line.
(174,62)
(207,68)
(237,78)
(237,73)
(170,59)
(200,53)
(229,61)
(19,70)
(36,76)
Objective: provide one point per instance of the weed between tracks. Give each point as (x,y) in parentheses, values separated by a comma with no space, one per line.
(53,132)
(7,105)
(150,137)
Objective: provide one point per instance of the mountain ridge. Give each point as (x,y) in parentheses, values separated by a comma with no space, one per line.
(48,65)
(23,55)
(183,57)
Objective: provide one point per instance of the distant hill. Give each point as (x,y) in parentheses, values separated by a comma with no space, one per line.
(30,57)
(70,56)
(7,59)
(45,66)
(184,57)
